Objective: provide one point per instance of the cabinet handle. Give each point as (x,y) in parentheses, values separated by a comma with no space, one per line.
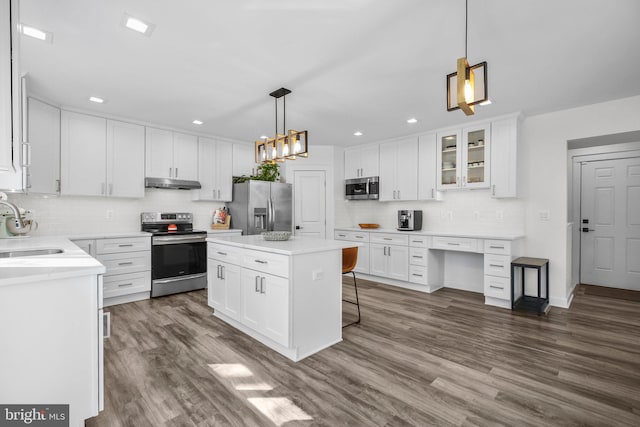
(125,245)
(222,253)
(453,244)
(496,287)
(493,190)
(359,237)
(433,194)
(398,194)
(496,247)
(223,272)
(464,180)
(218,271)
(389,251)
(122,285)
(497,265)
(58,185)
(176,172)
(394,194)
(260,261)
(417,275)
(125,263)
(417,256)
(219,197)
(257,283)
(110,189)
(90,248)
(418,241)
(262,285)
(384,250)
(342,235)
(387,238)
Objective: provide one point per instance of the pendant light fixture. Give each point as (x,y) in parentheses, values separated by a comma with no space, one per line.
(468,85)
(287,145)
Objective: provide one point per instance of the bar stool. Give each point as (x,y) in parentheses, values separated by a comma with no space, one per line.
(349,260)
(536,303)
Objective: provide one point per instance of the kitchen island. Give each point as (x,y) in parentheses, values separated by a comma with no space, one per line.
(285,294)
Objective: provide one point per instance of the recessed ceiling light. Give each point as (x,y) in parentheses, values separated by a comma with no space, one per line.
(138,25)
(197,122)
(487,102)
(96,99)
(358,133)
(412,120)
(36,33)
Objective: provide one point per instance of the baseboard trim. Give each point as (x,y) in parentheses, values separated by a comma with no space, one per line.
(399,283)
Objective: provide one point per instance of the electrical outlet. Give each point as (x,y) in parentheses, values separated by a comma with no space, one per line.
(317,274)
(544,215)
(500,215)
(109,214)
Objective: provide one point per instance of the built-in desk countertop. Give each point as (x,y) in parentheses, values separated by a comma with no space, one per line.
(468,234)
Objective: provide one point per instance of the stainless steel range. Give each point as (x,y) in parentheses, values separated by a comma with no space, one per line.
(178,253)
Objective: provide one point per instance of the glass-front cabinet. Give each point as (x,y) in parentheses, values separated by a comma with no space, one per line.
(463,158)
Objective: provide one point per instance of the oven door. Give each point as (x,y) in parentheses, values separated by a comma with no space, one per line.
(176,256)
(356,189)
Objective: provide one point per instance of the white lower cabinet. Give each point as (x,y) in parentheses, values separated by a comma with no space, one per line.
(265,304)
(224,290)
(128,263)
(389,256)
(362,264)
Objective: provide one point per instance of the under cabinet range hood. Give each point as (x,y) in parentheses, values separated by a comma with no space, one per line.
(171,183)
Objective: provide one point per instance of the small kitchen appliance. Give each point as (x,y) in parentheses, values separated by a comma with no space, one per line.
(362,188)
(178,253)
(409,220)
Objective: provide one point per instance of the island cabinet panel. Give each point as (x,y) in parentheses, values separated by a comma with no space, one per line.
(287,295)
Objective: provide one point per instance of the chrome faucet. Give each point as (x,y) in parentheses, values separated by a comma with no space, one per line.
(16,212)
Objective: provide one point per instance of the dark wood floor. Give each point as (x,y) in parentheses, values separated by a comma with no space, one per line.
(416,359)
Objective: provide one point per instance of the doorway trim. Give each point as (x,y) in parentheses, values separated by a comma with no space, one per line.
(577,156)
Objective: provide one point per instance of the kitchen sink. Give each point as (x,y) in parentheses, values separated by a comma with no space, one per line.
(29,252)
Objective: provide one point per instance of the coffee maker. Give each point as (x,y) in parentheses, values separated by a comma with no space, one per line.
(409,220)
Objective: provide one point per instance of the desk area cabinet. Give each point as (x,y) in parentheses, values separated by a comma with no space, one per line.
(416,260)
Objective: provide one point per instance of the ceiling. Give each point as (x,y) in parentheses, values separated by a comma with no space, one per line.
(365,65)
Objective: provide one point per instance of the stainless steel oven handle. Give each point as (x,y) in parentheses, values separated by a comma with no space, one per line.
(179,279)
(178,240)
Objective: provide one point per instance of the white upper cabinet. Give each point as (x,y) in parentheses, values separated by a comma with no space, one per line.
(399,170)
(43,132)
(159,153)
(464,158)
(125,159)
(215,168)
(185,156)
(244,160)
(11,100)
(83,148)
(171,155)
(361,162)
(101,157)
(427,183)
(504,149)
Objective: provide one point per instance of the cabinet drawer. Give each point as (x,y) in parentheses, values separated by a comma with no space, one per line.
(419,241)
(127,244)
(125,284)
(275,264)
(224,253)
(389,239)
(463,244)
(497,287)
(131,262)
(497,265)
(497,247)
(418,256)
(351,236)
(418,274)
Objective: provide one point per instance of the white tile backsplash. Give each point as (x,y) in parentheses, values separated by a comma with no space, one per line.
(70,215)
(464,210)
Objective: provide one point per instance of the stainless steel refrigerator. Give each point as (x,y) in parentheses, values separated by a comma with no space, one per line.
(259,206)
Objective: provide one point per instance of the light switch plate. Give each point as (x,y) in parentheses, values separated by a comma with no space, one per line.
(544,215)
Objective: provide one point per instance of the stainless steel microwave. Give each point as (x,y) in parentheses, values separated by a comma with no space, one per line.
(362,188)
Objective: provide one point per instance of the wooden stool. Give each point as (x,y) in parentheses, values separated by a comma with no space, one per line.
(525,302)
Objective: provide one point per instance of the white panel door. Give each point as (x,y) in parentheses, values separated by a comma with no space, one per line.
(232,277)
(370,165)
(206,170)
(244,160)
(216,286)
(275,291)
(388,172)
(185,156)
(158,153)
(253,307)
(224,170)
(398,262)
(407,169)
(610,228)
(83,151)
(44,138)
(125,159)
(310,203)
(378,259)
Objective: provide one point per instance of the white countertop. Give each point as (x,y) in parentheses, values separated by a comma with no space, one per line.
(109,235)
(472,234)
(70,263)
(293,246)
